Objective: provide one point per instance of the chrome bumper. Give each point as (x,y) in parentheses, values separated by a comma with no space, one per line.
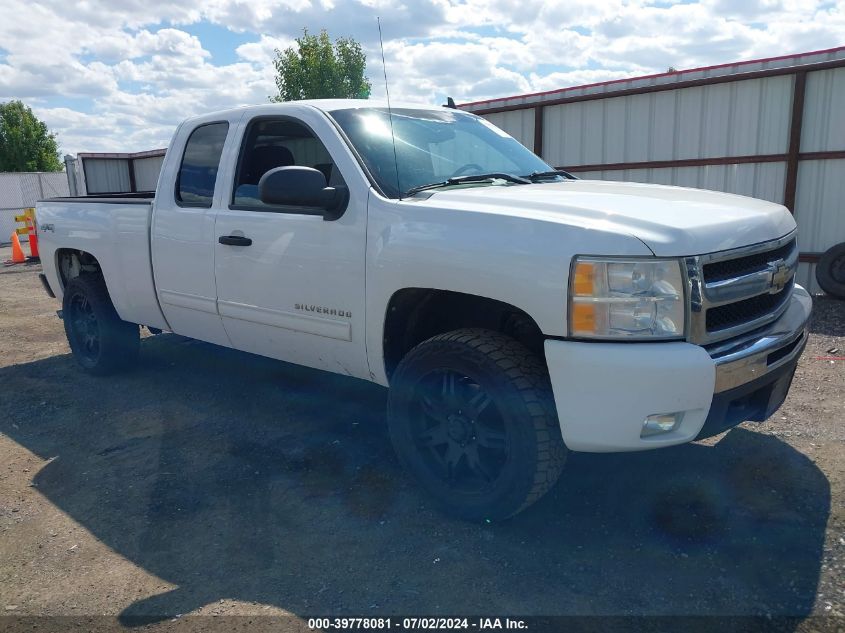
(742,360)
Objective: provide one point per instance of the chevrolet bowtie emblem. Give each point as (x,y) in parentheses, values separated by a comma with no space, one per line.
(781,274)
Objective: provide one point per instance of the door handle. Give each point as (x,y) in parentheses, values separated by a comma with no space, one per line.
(234,240)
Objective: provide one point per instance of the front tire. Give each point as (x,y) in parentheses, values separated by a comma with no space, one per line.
(100,341)
(472,418)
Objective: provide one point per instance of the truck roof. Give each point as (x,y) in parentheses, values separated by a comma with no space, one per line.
(325,105)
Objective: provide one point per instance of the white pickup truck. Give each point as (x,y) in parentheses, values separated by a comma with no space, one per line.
(514,312)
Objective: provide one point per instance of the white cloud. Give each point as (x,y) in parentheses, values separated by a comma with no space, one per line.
(262,52)
(120,75)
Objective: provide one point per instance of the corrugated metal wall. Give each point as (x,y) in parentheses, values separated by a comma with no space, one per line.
(106,175)
(820,203)
(820,194)
(740,128)
(308,151)
(118,173)
(518,123)
(146,172)
(19,191)
(737,119)
(663,79)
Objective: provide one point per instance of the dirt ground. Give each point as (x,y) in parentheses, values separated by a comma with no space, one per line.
(213,482)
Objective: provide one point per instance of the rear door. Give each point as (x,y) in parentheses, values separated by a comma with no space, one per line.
(290,285)
(183,234)
(183,237)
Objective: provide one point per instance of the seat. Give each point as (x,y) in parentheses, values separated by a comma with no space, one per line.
(264,158)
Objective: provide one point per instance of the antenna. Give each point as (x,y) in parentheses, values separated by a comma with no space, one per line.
(389,111)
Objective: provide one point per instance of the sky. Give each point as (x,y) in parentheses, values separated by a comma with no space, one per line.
(119,75)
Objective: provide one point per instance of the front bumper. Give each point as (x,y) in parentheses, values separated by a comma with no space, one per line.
(605,391)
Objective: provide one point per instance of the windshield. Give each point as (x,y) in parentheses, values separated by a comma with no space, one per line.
(432,146)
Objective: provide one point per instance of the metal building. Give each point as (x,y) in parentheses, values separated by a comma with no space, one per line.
(93,173)
(20,190)
(770,128)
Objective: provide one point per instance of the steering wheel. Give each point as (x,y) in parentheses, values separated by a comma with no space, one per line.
(462,170)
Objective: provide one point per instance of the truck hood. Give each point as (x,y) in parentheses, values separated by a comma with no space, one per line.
(671,221)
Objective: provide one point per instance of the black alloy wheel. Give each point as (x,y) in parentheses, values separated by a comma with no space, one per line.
(459,431)
(472,418)
(84,328)
(101,342)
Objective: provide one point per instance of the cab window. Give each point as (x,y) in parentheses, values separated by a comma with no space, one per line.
(200,162)
(271,143)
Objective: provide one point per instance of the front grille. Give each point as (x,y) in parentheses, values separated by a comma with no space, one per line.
(719,271)
(735,292)
(745,311)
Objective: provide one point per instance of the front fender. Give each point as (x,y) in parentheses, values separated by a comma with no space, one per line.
(521,261)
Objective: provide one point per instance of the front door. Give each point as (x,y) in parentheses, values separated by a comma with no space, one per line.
(290,285)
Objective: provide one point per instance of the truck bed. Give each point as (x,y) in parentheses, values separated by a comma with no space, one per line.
(115,230)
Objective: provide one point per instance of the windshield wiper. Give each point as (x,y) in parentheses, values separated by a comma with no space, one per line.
(457,180)
(541,175)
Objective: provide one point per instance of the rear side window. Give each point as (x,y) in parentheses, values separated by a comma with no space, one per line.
(198,171)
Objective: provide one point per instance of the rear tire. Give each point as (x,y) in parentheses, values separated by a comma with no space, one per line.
(100,341)
(830,271)
(471,416)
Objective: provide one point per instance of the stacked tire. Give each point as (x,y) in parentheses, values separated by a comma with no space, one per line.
(830,271)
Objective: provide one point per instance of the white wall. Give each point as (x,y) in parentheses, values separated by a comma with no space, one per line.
(19,191)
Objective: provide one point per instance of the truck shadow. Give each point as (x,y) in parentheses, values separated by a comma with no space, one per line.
(237,477)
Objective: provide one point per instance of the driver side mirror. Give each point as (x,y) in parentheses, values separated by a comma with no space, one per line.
(297,186)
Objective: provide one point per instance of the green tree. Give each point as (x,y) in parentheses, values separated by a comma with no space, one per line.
(25,142)
(316,69)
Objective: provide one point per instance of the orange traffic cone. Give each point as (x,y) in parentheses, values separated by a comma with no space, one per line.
(17,252)
(33,246)
(33,239)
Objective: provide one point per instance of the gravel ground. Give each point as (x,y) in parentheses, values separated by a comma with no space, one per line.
(213,482)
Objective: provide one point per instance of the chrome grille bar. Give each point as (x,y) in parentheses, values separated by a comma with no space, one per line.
(752,284)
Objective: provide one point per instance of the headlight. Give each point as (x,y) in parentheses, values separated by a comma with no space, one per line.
(626,298)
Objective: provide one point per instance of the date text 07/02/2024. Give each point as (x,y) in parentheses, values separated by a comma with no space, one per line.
(420,623)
